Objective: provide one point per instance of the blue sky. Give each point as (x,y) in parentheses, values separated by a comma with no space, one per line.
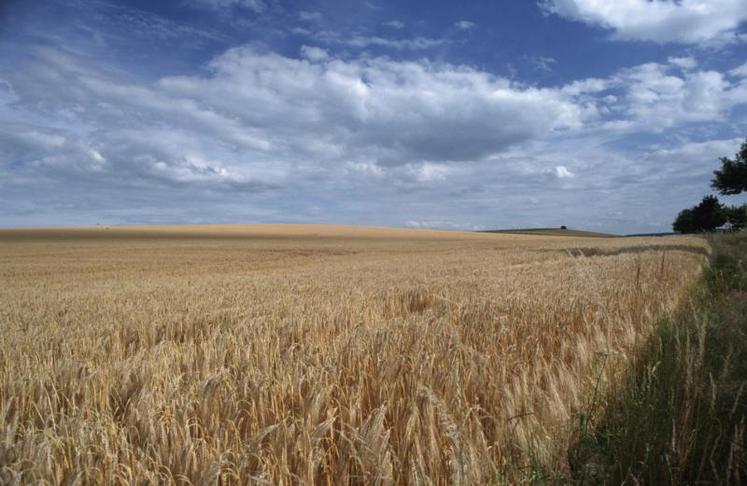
(607,116)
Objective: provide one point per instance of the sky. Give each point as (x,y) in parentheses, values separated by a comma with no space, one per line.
(605,116)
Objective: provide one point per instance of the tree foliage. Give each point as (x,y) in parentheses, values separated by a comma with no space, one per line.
(706,216)
(737,216)
(732,177)
(684,223)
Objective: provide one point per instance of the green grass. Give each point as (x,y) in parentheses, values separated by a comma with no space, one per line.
(680,416)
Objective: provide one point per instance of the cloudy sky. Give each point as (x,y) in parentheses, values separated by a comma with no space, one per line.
(606,116)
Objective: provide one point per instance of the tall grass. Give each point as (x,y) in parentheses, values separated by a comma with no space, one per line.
(316,359)
(680,416)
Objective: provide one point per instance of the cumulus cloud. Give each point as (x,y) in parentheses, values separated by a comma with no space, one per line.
(683,21)
(665,99)
(429,172)
(257,109)
(657,96)
(739,72)
(348,136)
(257,127)
(314,54)
(389,111)
(562,172)
(687,62)
(684,168)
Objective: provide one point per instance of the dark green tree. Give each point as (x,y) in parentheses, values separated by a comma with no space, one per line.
(706,216)
(684,223)
(736,216)
(732,177)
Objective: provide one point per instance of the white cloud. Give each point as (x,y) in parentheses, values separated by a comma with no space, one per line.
(416,43)
(314,54)
(660,98)
(368,169)
(43,139)
(544,63)
(465,25)
(260,121)
(261,107)
(653,97)
(690,151)
(392,111)
(429,172)
(440,142)
(683,21)
(445,225)
(562,172)
(305,16)
(258,114)
(688,62)
(7,94)
(359,41)
(686,165)
(739,72)
(257,6)
(395,24)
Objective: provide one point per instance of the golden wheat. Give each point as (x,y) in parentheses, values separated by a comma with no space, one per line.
(313,355)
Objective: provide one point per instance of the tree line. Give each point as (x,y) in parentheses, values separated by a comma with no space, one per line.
(709,214)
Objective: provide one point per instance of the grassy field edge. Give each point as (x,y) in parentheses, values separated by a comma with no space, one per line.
(679,416)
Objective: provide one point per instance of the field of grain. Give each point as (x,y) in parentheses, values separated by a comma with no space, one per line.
(312,354)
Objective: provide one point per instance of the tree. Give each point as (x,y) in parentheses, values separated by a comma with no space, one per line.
(706,216)
(709,214)
(732,177)
(736,216)
(684,223)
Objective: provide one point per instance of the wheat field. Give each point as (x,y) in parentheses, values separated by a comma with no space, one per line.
(314,354)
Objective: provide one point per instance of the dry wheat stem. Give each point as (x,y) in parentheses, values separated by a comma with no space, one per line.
(313,355)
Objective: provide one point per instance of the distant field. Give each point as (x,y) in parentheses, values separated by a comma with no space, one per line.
(552,232)
(313,354)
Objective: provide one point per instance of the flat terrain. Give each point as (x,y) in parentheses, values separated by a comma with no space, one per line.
(553,232)
(313,354)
